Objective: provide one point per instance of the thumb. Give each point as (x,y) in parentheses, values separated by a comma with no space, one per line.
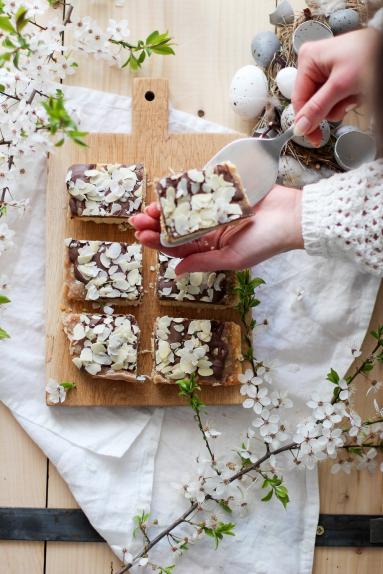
(215,260)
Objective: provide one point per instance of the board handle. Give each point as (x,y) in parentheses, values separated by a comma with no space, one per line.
(150,106)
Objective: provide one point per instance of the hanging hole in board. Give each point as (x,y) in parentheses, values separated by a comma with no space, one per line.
(149,96)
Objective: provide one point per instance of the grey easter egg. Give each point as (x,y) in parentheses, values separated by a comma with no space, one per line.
(343,21)
(287,120)
(310,31)
(263,47)
(284,14)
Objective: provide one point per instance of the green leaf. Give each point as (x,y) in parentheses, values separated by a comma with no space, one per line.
(333,377)
(152,38)
(4,334)
(163,50)
(268,496)
(68,385)
(367,366)
(21,19)
(6,25)
(223,504)
(4,299)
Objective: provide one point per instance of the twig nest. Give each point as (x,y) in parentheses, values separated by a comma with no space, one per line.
(343,21)
(354,148)
(310,31)
(283,15)
(264,46)
(285,80)
(249,91)
(292,173)
(287,120)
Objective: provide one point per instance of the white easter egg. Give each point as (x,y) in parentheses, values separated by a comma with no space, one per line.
(287,120)
(285,80)
(249,91)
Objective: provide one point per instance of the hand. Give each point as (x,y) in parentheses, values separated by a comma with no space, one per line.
(332,77)
(275,227)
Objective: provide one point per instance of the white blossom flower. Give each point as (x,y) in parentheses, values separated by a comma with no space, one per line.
(211,433)
(118,30)
(143,561)
(6,237)
(345,390)
(260,400)
(280,399)
(56,392)
(331,439)
(367,460)
(267,423)
(342,465)
(276,438)
(331,416)
(306,436)
(318,405)
(355,422)
(264,373)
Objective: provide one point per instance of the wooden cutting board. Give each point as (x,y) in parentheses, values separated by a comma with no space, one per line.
(151,143)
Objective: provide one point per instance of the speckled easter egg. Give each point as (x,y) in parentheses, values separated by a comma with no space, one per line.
(249,91)
(287,120)
(343,21)
(310,31)
(285,80)
(263,47)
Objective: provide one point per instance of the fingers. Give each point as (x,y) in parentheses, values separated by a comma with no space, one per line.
(150,219)
(216,260)
(320,105)
(342,108)
(153,209)
(143,221)
(308,79)
(151,238)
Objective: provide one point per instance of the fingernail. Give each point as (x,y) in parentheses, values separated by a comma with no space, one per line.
(302,126)
(131,220)
(350,108)
(137,235)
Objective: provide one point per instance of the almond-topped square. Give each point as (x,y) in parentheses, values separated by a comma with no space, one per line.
(200,200)
(212,288)
(104,271)
(105,346)
(209,350)
(106,193)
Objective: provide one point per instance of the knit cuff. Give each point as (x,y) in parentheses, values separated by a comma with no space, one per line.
(313,203)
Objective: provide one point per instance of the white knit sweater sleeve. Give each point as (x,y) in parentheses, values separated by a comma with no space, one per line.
(343,217)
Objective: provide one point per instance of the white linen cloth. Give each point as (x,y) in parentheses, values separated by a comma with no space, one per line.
(120,461)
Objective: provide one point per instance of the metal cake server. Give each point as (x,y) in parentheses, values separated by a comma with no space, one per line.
(256,160)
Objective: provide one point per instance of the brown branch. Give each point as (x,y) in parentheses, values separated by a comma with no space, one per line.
(195,505)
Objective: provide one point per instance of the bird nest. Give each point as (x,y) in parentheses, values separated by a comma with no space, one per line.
(314,158)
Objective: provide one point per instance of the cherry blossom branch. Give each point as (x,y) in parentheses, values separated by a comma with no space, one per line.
(237,476)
